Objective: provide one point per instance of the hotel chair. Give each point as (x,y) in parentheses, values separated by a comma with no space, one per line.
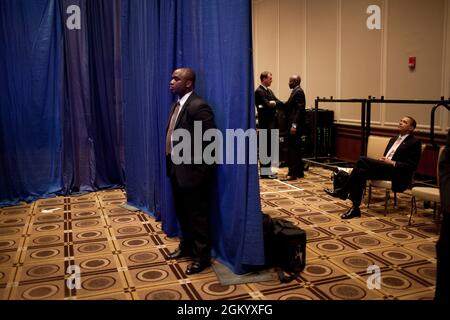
(375,149)
(427,194)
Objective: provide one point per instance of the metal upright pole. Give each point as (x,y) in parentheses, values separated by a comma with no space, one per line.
(316,110)
(368,116)
(433,112)
(363,126)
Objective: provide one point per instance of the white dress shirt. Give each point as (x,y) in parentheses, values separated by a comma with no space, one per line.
(395,146)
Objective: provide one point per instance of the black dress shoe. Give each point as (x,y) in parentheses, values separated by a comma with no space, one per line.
(337,193)
(196,267)
(271,176)
(178,254)
(352,213)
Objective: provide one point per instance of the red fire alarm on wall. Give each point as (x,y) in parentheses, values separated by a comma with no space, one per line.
(412,63)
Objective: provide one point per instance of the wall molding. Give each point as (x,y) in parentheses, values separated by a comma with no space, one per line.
(354,131)
(344,120)
(419,126)
(348,145)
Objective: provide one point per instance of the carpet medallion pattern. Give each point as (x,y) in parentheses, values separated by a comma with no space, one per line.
(121,254)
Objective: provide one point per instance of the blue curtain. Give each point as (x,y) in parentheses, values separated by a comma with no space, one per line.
(61,121)
(214,38)
(144,73)
(93,155)
(30,100)
(61,104)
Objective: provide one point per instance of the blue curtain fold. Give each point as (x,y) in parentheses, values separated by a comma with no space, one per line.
(142,124)
(61,103)
(214,38)
(93,156)
(30,100)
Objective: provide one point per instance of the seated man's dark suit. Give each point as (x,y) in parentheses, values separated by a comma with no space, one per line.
(406,159)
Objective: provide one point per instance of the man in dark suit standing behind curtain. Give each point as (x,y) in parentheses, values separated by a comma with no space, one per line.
(190,181)
(266,103)
(295,111)
(443,244)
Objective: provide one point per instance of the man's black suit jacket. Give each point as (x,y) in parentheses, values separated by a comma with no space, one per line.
(295,109)
(190,175)
(406,157)
(266,113)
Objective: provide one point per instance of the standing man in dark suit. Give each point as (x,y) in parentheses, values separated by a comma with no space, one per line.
(398,164)
(266,103)
(190,179)
(295,112)
(443,244)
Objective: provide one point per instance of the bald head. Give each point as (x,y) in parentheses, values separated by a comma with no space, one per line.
(182,81)
(188,74)
(294,81)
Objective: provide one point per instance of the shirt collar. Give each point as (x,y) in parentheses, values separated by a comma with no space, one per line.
(183,100)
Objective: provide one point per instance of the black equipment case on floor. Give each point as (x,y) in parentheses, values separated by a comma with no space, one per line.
(284,247)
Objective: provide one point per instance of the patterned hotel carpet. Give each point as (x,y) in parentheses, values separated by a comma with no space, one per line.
(122,253)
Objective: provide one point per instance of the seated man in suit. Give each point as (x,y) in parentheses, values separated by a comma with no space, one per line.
(398,164)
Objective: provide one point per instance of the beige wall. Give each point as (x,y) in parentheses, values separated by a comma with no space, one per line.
(328,43)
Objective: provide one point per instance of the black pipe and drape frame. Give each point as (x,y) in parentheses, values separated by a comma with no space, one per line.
(366,111)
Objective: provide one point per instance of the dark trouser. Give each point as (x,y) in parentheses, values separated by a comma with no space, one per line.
(268,125)
(443,261)
(366,168)
(191,206)
(295,162)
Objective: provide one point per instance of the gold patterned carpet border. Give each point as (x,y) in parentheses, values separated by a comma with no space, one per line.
(120,254)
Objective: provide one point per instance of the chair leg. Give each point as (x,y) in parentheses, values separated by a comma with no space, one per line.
(386,201)
(395,199)
(370,196)
(438,221)
(434,211)
(413,207)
